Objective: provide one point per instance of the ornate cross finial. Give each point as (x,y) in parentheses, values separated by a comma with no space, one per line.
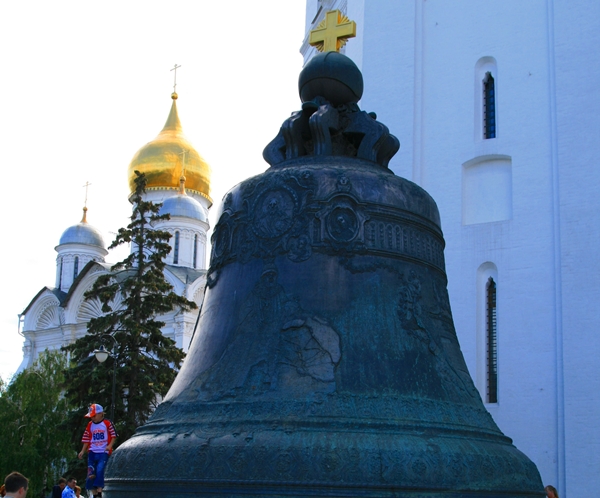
(87,184)
(84,219)
(333,32)
(175,68)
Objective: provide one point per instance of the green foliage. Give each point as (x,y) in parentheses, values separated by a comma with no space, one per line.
(33,413)
(146,361)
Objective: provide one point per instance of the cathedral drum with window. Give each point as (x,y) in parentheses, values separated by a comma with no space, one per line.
(325,361)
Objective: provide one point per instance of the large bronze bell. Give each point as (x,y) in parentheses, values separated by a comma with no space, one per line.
(325,362)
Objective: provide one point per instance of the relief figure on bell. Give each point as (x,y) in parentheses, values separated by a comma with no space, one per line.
(416,321)
(276,344)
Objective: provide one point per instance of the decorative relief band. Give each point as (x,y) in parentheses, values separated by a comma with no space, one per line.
(278,215)
(364,461)
(402,239)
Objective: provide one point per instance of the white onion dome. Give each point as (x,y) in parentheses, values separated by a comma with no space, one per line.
(82,233)
(184,206)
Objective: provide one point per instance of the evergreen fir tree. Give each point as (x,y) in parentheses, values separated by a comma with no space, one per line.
(147,361)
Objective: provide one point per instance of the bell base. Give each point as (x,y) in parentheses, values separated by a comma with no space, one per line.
(277,462)
(247,489)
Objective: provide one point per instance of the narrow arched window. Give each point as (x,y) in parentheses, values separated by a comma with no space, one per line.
(195,251)
(60,269)
(176,249)
(491,343)
(489,107)
(76,267)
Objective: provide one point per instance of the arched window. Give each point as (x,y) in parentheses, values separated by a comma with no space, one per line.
(491,343)
(176,249)
(489,107)
(76,267)
(485,98)
(195,257)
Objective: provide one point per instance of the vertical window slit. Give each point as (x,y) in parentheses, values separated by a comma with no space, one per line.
(195,251)
(176,249)
(489,107)
(76,267)
(60,274)
(491,343)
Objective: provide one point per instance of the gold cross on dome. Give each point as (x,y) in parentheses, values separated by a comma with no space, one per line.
(333,32)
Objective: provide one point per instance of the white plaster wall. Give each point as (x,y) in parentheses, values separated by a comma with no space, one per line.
(391,73)
(577,71)
(486,189)
(65,274)
(179,326)
(421,62)
(187,229)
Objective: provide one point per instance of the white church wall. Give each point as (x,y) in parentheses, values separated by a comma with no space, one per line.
(454,44)
(78,309)
(577,176)
(388,91)
(47,300)
(70,261)
(423,64)
(192,236)
(46,316)
(178,285)
(179,327)
(487,189)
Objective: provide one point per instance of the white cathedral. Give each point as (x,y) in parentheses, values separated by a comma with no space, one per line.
(177,177)
(497,109)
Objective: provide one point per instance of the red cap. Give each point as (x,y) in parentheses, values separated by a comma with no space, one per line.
(95,410)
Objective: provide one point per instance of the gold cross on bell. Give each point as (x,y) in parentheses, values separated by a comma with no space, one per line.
(333,32)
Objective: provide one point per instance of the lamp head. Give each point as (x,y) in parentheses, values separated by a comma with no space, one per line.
(101,354)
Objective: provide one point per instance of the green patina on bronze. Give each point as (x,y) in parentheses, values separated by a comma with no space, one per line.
(325,362)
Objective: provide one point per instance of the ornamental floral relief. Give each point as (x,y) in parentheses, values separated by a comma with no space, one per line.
(92,308)
(89,309)
(49,317)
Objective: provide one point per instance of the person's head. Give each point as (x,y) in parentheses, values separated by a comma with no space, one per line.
(96,413)
(551,492)
(16,484)
(62,482)
(3,490)
(77,491)
(71,482)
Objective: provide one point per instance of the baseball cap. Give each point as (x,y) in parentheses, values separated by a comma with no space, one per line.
(94,410)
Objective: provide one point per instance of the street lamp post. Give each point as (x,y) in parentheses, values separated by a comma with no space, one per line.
(102,355)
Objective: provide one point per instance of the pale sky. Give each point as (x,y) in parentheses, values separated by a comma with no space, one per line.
(84,85)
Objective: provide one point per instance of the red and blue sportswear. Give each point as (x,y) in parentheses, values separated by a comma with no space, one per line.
(99,435)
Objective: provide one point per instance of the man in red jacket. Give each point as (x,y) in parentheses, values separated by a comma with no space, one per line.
(98,439)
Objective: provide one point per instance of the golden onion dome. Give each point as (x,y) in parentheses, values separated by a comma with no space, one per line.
(163,159)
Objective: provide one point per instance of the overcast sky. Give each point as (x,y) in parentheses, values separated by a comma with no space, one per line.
(84,85)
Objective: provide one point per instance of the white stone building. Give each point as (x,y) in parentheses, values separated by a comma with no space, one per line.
(58,315)
(512,165)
